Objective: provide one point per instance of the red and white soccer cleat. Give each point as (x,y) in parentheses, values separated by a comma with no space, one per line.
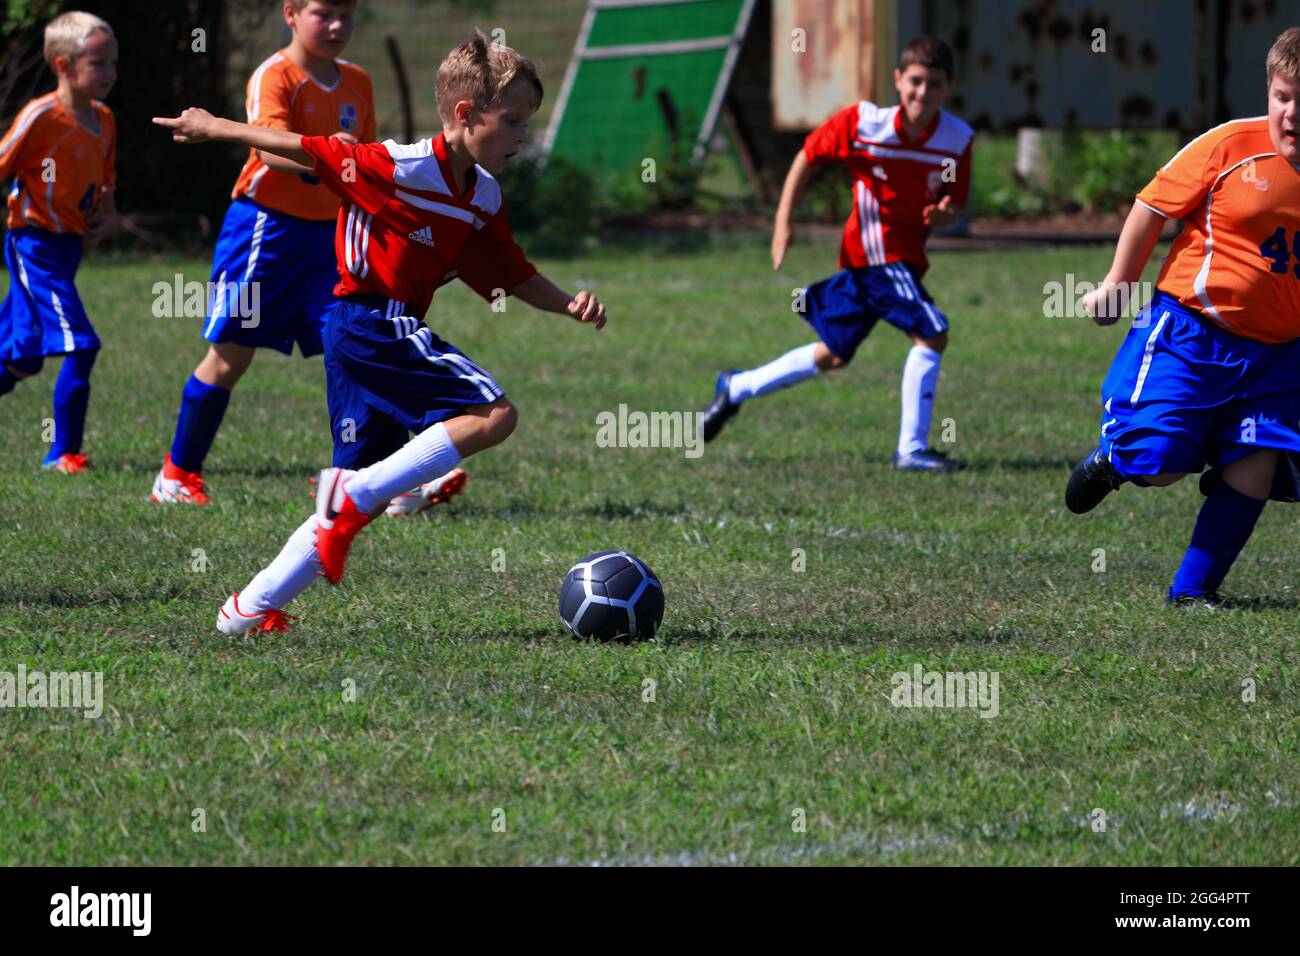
(337,521)
(436,492)
(68,464)
(176,486)
(231,620)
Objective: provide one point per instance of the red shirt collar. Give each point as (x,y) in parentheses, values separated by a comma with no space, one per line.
(444,164)
(925,135)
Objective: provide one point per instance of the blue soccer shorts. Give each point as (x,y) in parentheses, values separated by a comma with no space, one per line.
(42,314)
(387,375)
(1184,394)
(291,261)
(843,309)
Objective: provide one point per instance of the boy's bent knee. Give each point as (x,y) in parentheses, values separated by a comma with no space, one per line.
(938,343)
(25,368)
(825,359)
(503,418)
(481,426)
(1161,481)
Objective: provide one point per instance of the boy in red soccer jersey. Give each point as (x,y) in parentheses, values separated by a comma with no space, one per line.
(413,218)
(61,151)
(911,173)
(1209,373)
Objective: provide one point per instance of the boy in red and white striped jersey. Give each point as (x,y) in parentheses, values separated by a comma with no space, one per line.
(911,173)
(413,218)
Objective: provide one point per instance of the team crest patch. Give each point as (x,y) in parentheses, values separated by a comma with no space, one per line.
(347,117)
(934,181)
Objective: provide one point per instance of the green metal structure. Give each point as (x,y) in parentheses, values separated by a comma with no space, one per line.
(646,81)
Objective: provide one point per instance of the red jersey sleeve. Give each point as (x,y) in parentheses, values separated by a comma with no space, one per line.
(959,188)
(1182,183)
(361,174)
(832,141)
(490,259)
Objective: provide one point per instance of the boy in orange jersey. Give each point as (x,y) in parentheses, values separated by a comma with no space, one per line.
(1207,376)
(273,271)
(60,151)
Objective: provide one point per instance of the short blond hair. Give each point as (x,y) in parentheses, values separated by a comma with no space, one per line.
(1284,57)
(480,71)
(67,34)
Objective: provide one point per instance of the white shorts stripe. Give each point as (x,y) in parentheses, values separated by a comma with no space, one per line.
(256,245)
(422,339)
(1147,354)
(68,344)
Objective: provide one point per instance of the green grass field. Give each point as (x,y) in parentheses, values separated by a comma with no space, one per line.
(771,685)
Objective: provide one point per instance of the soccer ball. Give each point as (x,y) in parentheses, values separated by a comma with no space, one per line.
(611,595)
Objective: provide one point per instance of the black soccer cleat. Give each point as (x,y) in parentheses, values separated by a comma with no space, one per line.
(927,460)
(1092,479)
(1211,600)
(720,410)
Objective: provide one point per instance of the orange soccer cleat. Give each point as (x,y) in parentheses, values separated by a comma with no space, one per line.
(337,521)
(177,486)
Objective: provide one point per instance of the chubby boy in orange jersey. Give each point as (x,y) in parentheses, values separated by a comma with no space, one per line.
(1209,374)
(60,151)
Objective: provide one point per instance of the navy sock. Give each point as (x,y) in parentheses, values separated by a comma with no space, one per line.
(202,408)
(7,381)
(71,399)
(1222,528)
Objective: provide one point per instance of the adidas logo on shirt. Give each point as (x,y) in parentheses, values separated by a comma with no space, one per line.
(423,236)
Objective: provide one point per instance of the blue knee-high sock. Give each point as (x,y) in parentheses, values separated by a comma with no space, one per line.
(202,408)
(71,399)
(1222,528)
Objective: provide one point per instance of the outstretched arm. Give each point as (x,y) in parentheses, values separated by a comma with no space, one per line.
(1138,238)
(541,293)
(199,126)
(782,230)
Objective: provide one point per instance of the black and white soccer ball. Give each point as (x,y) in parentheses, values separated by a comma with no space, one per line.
(611,595)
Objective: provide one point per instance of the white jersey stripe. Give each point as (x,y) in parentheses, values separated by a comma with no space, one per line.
(365,244)
(876,151)
(347,239)
(1202,277)
(453,212)
(24,121)
(253,105)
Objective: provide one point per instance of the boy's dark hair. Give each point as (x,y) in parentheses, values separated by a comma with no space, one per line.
(929,52)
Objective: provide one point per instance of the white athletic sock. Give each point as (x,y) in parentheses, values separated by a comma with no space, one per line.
(794,366)
(920,379)
(292,571)
(423,458)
